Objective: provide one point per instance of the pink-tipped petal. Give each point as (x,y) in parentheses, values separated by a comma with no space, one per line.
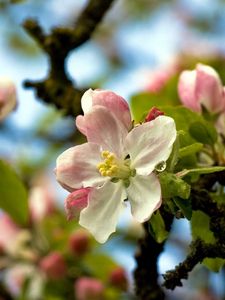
(186,90)
(111,101)
(144,194)
(77,167)
(151,143)
(75,202)
(209,89)
(80,124)
(104,207)
(104,129)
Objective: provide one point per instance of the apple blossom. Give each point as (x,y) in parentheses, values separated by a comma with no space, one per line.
(116,164)
(7,97)
(202,86)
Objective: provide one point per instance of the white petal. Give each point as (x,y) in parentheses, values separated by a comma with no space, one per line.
(111,101)
(150,144)
(77,167)
(101,127)
(144,194)
(86,101)
(101,215)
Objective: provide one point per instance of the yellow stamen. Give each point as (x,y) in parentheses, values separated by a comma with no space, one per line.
(105,154)
(113,167)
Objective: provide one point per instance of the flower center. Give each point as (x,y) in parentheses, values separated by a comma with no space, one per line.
(113,167)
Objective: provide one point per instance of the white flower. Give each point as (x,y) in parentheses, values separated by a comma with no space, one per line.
(116,165)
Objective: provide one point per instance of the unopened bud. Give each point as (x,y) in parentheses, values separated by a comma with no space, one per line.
(89,289)
(53,265)
(79,242)
(153,114)
(118,278)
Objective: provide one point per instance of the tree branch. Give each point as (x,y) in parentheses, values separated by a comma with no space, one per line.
(57,88)
(146,273)
(199,251)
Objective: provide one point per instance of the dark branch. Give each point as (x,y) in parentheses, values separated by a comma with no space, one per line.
(201,200)
(199,251)
(57,88)
(146,273)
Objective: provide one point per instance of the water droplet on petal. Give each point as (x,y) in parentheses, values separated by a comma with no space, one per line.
(161,166)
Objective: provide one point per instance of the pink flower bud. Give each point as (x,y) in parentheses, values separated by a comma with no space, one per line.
(153,114)
(53,265)
(79,242)
(75,202)
(7,97)
(202,87)
(89,289)
(118,278)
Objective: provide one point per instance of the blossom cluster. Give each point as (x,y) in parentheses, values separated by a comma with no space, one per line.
(32,254)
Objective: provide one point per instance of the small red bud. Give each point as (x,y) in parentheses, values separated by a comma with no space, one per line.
(79,242)
(88,289)
(118,278)
(153,114)
(53,265)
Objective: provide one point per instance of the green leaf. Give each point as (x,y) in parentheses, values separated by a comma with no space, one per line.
(200,229)
(141,103)
(199,171)
(185,206)
(181,115)
(198,128)
(157,227)
(203,132)
(172,186)
(191,149)
(13,195)
(99,265)
(214,264)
